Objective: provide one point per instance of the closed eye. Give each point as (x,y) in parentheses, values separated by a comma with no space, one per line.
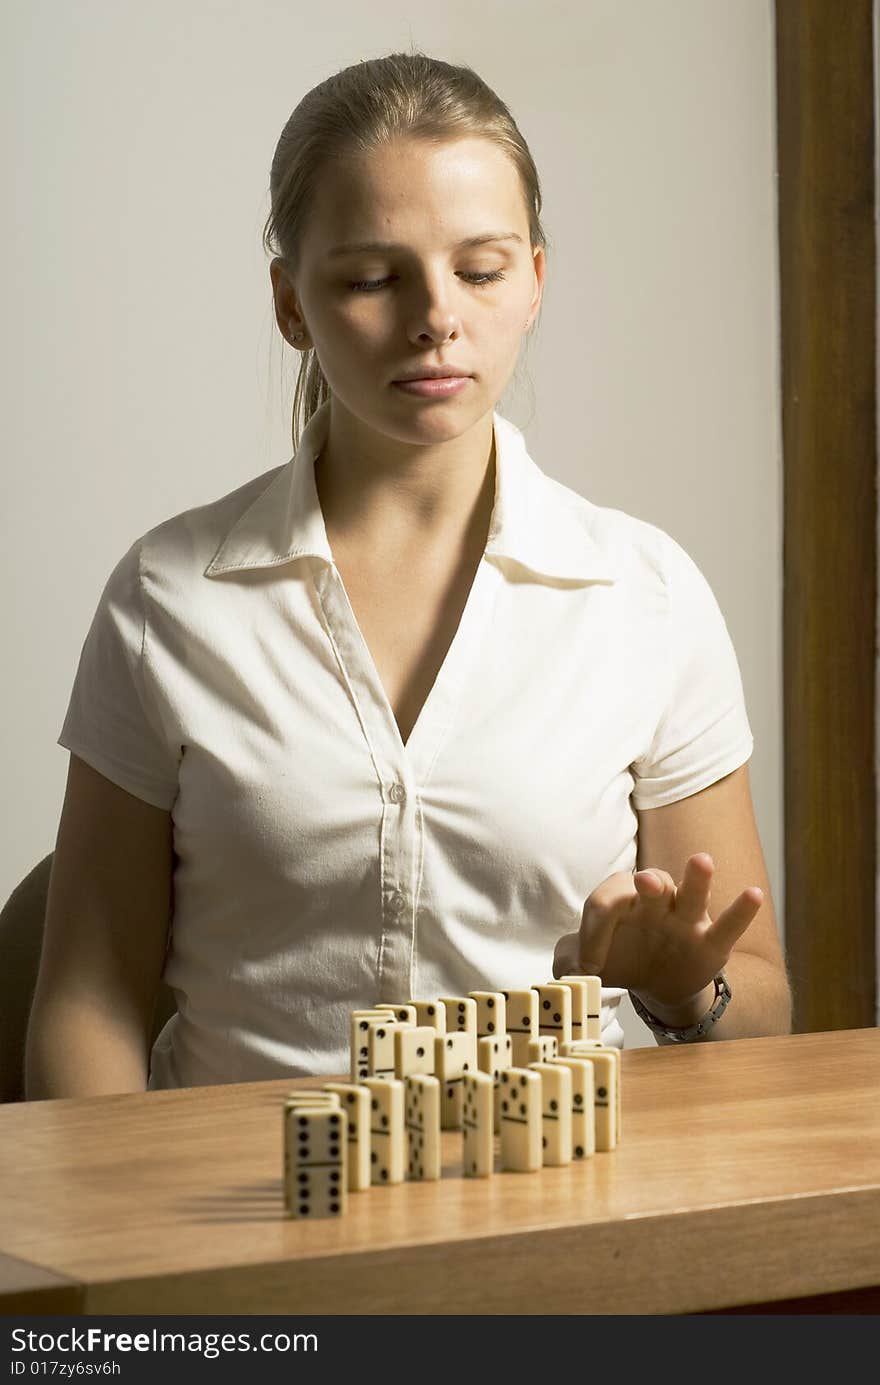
(478,280)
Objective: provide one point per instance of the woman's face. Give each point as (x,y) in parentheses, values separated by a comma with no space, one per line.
(427,299)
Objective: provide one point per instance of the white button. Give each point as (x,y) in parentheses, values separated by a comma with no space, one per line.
(397,903)
(398,793)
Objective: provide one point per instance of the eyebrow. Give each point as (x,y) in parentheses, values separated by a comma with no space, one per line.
(383,245)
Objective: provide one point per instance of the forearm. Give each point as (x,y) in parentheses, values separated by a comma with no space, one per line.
(760,1003)
(73,1049)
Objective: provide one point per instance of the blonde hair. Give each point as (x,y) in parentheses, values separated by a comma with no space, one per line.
(360,109)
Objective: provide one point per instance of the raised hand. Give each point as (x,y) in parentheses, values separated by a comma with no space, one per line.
(654,937)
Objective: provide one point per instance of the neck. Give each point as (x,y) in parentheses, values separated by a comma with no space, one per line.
(372,486)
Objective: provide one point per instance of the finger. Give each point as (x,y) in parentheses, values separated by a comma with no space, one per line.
(730,925)
(566,955)
(694,892)
(597,930)
(655,884)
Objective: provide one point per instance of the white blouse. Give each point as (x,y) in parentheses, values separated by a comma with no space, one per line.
(321,865)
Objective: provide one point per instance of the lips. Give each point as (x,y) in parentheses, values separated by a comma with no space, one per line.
(440,373)
(437,388)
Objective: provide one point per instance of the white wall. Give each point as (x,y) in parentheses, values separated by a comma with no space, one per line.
(142,366)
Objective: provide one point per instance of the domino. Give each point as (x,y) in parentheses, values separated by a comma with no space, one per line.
(304,1097)
(454,1056)
(591,1017)
(359,1049)
(522,1022)
(387,1129)
(308,1098)
(583,1105)
(542,1049)
(315,1158)
(478,1159)
(422,1119)
(556,1093)
(461,1013)
(578,1047)
(554,1010)
(404,1014)
(607,1090)
(493,1056)
(413,1050)
(606,1097)
(431,1012)
(380,1047)
(521,1119)
(491,1012)
(355,1104)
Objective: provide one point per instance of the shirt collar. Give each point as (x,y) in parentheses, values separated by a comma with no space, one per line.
(534,522)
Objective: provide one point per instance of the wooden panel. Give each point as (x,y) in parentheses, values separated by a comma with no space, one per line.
(731,1253)
(862,1301)
(27,1288)
(738,1159)
(825,98)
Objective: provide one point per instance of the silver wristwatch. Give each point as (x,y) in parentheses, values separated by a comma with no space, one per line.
(693,1031)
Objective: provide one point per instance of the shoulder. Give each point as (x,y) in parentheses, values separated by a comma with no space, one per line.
(645,557)
(178,549)
(657,578)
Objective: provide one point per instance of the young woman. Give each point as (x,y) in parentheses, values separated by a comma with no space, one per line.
(404,717)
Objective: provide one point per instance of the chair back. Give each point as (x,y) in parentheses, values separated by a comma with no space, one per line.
(21,943)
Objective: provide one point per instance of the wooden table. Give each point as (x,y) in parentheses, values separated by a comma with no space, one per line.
(748,1172)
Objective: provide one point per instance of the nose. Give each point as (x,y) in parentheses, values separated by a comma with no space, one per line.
(438,334)
(433,320)
(435,325)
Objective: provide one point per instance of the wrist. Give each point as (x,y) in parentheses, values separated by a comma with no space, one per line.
(686,1013)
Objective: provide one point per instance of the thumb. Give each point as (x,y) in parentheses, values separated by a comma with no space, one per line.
(566,957)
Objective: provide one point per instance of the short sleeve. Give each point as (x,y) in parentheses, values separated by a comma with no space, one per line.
(113,721)
(703,731)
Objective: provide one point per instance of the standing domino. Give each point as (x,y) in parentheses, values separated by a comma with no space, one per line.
(413,1050)
(309,1097)
(522,1022)
(355,1101)
(315,1175)
(491,1012)
(359,1051)
(404,1014)
(478,1122)
(605,1063)
(493,1056)
(577,1047)
(554,1010)
(556,1091)
(381,1046)
(387,1142)
(583,1106)
(461,1013)
(521,1119)
(542,1049)
(317,1097)
(454,1055)
(431,1012)
(586,1006)
(422,1103)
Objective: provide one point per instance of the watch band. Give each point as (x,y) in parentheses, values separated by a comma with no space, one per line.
(692,1031)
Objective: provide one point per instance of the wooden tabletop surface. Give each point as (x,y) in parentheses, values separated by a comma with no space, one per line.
(748,1171)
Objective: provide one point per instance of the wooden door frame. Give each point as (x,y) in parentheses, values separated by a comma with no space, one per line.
(828,306)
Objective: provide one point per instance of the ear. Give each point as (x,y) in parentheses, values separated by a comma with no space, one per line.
(287,309)
(540,264)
